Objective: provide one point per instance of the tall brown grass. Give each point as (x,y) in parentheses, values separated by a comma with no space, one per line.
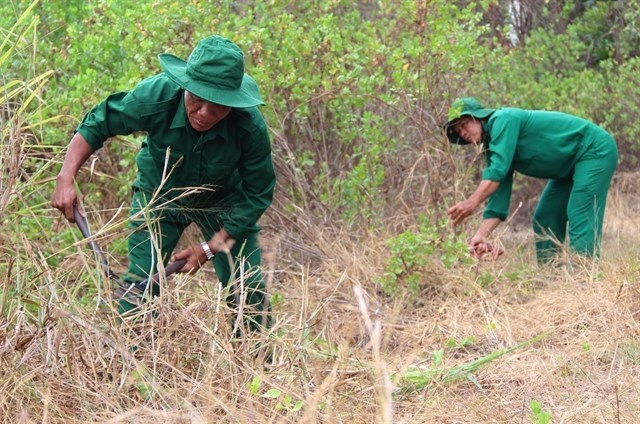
(338,344)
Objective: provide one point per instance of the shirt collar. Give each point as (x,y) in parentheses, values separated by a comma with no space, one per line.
(180,118)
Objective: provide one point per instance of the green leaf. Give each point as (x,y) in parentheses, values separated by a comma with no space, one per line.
(272,394)
(254,385)
(438,357)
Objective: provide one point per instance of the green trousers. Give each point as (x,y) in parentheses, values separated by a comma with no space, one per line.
(576,206)
(155,233)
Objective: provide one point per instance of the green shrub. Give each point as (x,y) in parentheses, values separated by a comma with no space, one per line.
(417,258)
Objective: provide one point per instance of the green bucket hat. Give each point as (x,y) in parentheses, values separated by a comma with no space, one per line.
(214,72)
(459,108)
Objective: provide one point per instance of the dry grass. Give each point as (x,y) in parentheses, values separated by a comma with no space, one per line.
(339,344)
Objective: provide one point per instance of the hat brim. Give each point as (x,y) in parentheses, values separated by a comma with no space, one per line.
(247,95)
(448,126)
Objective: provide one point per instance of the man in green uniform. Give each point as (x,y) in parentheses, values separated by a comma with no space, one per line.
(203,130)
(576,156)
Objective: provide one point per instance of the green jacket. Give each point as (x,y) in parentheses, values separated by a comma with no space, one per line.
(540,144)
(231,163)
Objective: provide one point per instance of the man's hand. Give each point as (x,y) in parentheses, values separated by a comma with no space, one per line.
(481,249)
(221,242)
(461,211)
(195,256)
(65,196)
(484,251)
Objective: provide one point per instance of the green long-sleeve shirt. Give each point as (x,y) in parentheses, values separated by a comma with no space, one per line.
(540,144)
(231,162)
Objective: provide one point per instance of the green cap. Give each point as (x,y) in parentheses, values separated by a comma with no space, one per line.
(461,107)
(214,72)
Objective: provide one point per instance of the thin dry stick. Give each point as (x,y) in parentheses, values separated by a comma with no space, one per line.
(385,387)
(237,287)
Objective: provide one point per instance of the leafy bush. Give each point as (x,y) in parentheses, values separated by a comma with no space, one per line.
(356,92)
(350,90)
(417,258)
(589,70)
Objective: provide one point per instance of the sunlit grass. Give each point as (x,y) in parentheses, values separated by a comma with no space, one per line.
(340,349)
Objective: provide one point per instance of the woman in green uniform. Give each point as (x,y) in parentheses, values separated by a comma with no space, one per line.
(203,131)
(575,155)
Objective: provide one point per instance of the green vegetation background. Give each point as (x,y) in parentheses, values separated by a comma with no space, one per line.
(356,92)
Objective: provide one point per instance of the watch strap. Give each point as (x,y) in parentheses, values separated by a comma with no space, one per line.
(207,250)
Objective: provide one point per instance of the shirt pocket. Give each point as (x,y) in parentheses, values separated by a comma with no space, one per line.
(166,156)
(218,173)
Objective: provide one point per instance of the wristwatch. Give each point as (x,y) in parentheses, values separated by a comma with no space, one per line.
(207,250)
